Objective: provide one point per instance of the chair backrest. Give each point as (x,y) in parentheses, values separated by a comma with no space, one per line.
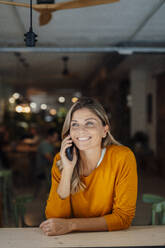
(150,198)
(158,209)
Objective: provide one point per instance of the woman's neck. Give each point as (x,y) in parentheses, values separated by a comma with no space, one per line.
(89,160)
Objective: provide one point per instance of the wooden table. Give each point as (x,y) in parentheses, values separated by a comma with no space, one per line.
(139,236)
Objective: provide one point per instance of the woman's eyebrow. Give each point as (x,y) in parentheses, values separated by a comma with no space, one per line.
(91,118)
(74,121)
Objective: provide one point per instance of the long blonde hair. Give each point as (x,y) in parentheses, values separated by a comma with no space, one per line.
(95,107)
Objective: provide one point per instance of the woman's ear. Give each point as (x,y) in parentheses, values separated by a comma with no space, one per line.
(106,129)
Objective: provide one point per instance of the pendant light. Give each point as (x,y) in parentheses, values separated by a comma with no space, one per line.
(30,37)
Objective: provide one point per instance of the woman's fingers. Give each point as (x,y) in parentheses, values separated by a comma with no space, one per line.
(74,154)
(55,226)
(46,228)
(66,143)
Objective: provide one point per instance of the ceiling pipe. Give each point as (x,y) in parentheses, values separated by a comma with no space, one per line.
(119,49)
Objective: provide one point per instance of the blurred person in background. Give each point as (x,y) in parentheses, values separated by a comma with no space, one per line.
(32,136)
(45,153)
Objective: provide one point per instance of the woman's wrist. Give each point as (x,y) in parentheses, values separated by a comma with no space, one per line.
(88,224)
(72,224)
(67,172)
(63,189)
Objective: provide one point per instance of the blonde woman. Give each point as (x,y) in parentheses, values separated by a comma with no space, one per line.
(97,189)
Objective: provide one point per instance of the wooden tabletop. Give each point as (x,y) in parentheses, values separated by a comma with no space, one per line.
(139,236)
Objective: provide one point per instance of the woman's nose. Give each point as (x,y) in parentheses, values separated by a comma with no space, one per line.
(82,128)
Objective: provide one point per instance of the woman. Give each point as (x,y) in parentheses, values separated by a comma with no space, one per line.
(97,189)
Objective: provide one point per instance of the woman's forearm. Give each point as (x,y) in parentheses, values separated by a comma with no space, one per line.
(63,189)
(88,224)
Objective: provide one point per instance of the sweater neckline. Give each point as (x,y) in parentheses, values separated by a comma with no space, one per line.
(98,164)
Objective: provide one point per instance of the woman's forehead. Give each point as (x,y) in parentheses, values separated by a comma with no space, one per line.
(84,113)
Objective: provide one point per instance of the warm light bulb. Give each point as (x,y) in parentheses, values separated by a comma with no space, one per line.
(19,109)
(74,99)
(52,111)
(27,109)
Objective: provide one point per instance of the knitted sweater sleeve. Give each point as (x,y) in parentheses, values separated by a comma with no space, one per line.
(125,193)
(57,207)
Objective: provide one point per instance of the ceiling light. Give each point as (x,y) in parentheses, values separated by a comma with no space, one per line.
(11,100)
(44,106)
(30,37)
(61,99)
(33,105)
(16,95)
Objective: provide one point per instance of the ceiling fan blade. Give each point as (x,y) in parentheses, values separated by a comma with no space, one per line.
(37,7)
(79,4)
(61,5)
(45,17)
(15,4)
(46,9)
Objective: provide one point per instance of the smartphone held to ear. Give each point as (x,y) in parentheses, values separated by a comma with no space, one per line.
(69,152)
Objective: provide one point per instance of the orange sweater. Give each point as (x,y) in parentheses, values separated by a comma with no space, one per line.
(111,191)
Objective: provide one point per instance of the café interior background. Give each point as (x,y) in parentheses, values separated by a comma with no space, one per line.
(113,52)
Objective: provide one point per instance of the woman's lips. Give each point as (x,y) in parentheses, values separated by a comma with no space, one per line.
(83,138)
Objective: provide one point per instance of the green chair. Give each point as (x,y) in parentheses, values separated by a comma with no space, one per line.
(158,208)
(16,205)
(6,189)
(20,208)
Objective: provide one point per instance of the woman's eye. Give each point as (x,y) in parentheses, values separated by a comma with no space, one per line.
(74,125)
(89,124)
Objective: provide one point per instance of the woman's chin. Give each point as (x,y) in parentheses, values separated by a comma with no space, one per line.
(83,147)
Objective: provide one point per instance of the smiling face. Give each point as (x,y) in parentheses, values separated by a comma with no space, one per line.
(86,129)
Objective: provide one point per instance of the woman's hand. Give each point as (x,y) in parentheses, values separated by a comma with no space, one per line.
(56,226)
(67,164)
(64,186)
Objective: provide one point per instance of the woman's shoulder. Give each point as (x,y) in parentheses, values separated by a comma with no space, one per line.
(119,150)
(121,156)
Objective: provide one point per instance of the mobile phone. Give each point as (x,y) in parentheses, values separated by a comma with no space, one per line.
(69,152)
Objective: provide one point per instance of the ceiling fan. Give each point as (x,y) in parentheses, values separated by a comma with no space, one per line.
(47,9)
(65,73)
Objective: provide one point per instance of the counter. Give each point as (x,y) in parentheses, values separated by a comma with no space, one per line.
(136,236)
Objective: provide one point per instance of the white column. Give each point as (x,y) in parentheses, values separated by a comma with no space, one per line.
(141,84)
(138,79)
